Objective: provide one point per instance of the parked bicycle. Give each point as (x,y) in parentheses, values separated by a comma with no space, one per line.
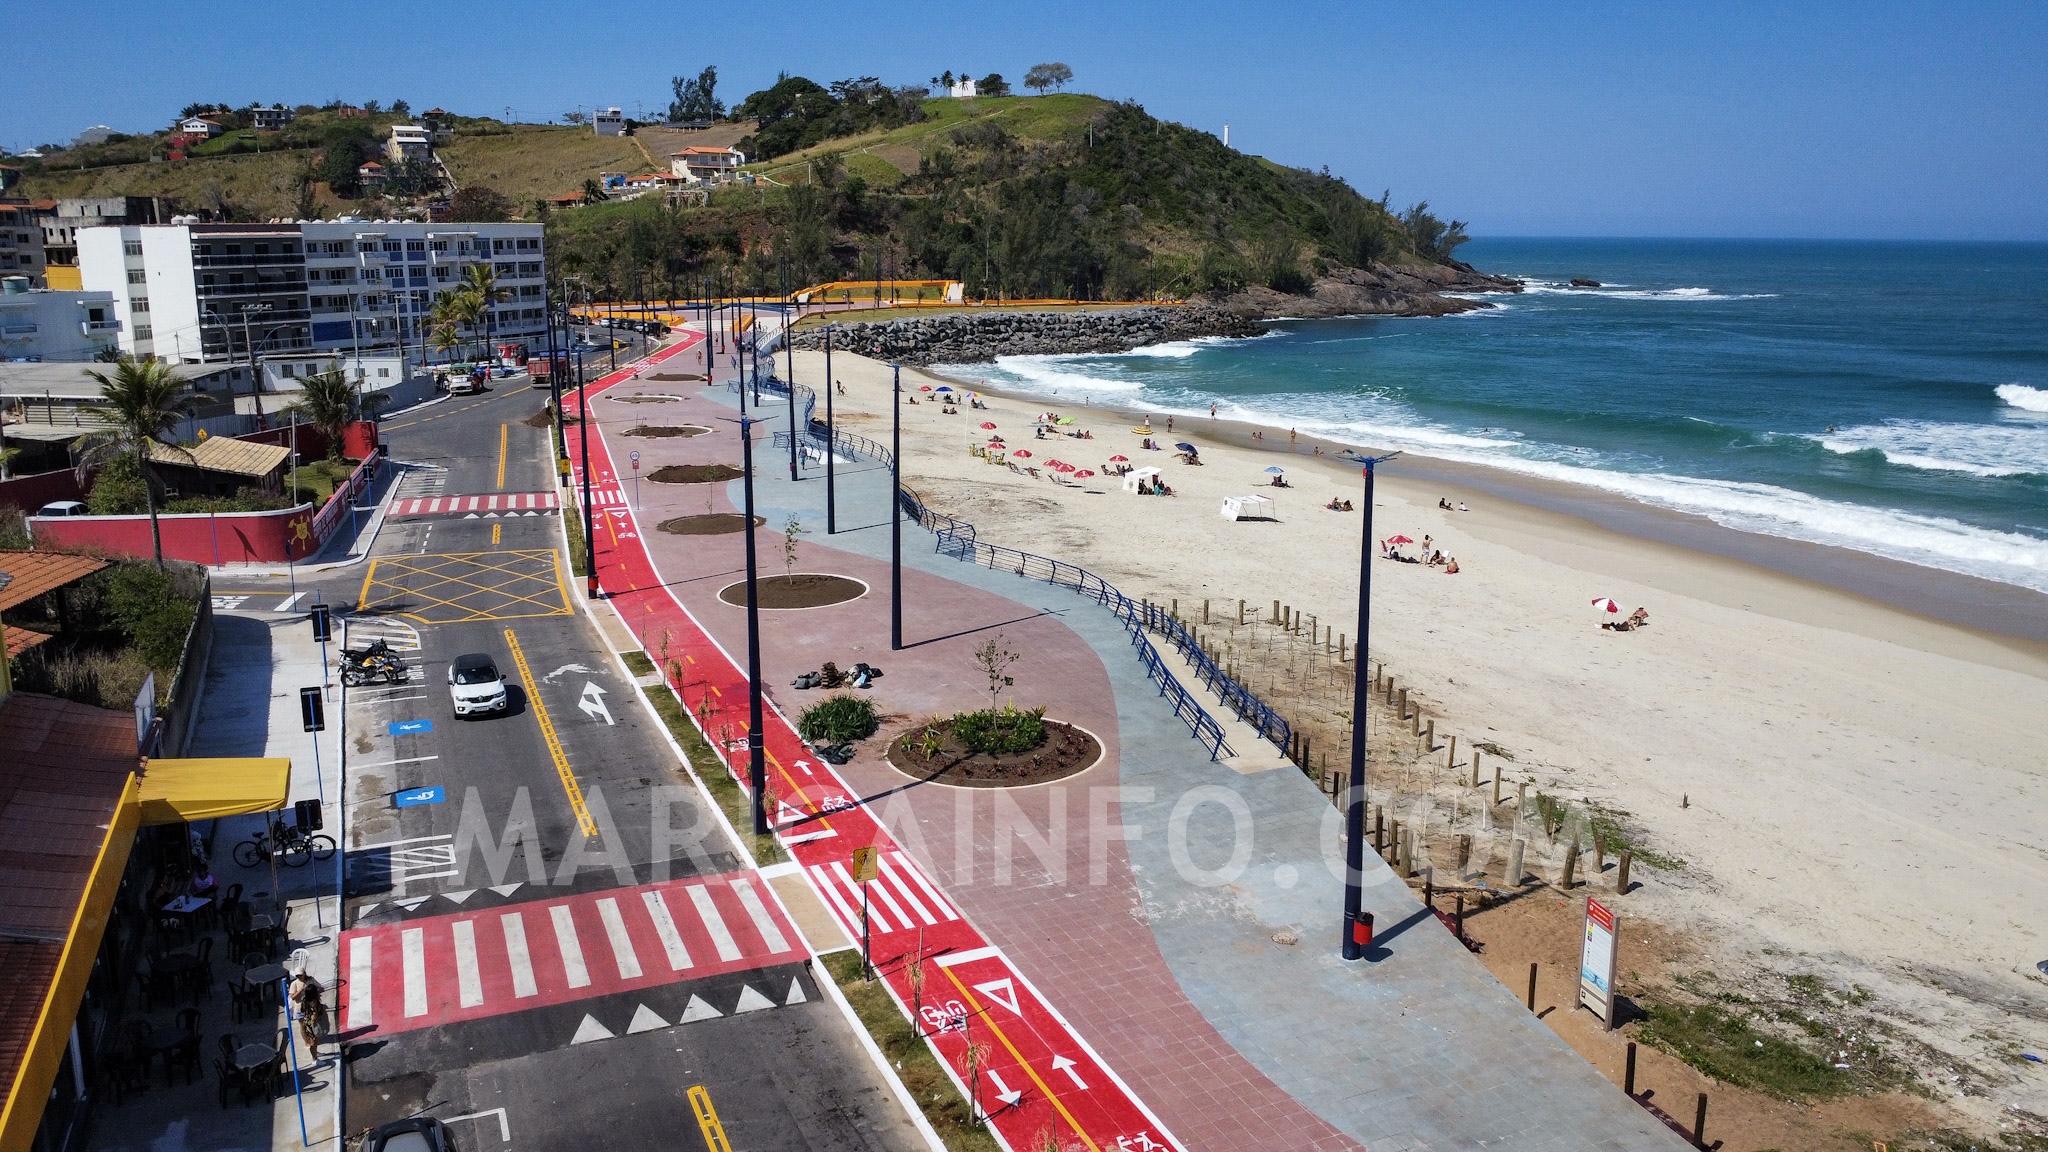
(288,842)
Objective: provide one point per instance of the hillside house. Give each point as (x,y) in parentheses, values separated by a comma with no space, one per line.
(609,121)
(408,142)
(271,119)
(371,176)
(439,124)
(200,127)
(704,165)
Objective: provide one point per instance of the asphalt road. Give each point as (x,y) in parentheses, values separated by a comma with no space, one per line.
(560,930)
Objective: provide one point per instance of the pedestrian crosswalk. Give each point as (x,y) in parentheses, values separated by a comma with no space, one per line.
(425,972)
(900,898)
(502,503)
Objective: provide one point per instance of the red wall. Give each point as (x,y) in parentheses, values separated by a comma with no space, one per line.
(231,537)
(29,493)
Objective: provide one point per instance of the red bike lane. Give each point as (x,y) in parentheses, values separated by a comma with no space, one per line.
(1035,1075)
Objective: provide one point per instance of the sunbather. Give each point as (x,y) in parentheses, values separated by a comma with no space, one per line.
(1451,566)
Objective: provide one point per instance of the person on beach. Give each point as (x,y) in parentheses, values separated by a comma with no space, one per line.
(1212,410)
(1290,439)
(1425,543)
(1451,566)
(1462,508)
(1169,423)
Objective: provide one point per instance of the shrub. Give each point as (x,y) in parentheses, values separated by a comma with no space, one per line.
(1001,731)
(837,720)
(152,611)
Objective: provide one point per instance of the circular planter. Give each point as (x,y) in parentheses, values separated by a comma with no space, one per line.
(1069,750)
(709,524)
(805,590)
(664,431)
(694,474)
(645,399)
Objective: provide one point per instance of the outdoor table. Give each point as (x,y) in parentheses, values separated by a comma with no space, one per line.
(265,974)
(253,1056)
(177,963)
(186,905)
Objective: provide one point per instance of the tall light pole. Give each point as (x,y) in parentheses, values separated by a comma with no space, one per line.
(589,521)
(831,442)
(790,357)
(255,372)
(896,512)
(1357,924)
(757,771)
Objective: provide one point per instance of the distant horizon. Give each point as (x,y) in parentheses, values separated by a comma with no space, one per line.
(1885,121)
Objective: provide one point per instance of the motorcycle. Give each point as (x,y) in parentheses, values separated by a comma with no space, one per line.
(376,662)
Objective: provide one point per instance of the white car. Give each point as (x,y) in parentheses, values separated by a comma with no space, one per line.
(474,682)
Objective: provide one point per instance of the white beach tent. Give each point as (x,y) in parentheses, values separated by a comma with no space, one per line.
(1132,478)
(1247,508)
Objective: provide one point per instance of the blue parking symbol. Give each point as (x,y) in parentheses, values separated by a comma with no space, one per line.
(414,797)
(411,727)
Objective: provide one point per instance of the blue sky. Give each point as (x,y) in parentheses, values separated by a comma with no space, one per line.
(1813,120)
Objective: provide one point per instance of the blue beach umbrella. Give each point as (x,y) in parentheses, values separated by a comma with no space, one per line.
(945,388)
(1276,471)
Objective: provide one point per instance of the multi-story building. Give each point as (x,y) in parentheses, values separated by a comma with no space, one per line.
(271,119)
(21,242)
(609,121)
(409,142)
(66,216)
(700,165)
(213,293)
(438,124)
(38,324)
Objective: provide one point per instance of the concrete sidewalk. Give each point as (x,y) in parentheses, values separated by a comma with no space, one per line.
(1174,959)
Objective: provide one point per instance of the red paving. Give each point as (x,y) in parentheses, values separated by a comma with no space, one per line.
(438,970)
(499,502)
(1092,954)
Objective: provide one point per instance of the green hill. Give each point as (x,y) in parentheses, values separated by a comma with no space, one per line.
(1049,196)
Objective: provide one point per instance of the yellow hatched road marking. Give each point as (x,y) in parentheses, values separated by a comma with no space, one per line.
(554,742)
(707,1120)
(504,438)
(1050,1096)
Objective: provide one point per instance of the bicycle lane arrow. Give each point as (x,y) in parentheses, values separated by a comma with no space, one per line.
(1034,1037)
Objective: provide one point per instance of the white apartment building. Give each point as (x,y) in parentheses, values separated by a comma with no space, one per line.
(38,324)
(210,293)
(609,121)
(409,142)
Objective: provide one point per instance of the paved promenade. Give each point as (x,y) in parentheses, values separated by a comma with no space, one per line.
(1146,897)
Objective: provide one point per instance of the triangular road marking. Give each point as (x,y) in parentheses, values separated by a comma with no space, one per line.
(413,903)
(364,909)
(506,889)
(644,1020)
(698,1010)
(796,993)
(459,897)
(751,1001)
(591,1030)
(472,516)
(1002,992)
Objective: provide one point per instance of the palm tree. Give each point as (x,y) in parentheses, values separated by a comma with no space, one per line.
(143,400)
(330,403)
(480,284)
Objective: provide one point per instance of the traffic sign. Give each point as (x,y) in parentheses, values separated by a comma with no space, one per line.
(636,461)
(311,712)
(864,864)
(414,797)
(410,727)
(323,623)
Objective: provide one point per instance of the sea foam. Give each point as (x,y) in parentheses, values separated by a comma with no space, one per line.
(1936,446)
(2022,397)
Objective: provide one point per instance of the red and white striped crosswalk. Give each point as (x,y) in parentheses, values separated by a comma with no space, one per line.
(464,966)
(899,898)
(501,503)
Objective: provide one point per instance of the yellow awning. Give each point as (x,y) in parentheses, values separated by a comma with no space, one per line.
(215,786)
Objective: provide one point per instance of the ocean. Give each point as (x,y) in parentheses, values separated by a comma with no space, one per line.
(1886,397)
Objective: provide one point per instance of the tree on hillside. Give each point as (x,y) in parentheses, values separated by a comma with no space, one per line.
(696,97)
(1043,76)
(401,108)
(1432,238)
(479,204)
(574,116)
(593,192)
(143,400)
(992,84)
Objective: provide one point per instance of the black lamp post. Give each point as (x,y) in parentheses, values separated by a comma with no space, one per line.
(757,772)
(831,442)
(1358,926)
(589,520)
(896,513)
(790,358)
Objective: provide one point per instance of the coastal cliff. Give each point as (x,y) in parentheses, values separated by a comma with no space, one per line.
(978,337)
(1381,290)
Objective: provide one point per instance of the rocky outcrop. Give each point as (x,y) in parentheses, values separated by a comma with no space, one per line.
(975,337)
(1382,290)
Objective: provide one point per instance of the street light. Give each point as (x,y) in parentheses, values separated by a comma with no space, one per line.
(895,512)
(757,772)
(1357,932)
(831,440)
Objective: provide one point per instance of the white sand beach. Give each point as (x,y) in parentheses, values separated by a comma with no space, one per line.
(1857,792)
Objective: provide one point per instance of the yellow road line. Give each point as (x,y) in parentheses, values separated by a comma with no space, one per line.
(561,581)
(496,529)
(707,1120)
(363,598)
(554,742)
(1050,1097)
(504,438)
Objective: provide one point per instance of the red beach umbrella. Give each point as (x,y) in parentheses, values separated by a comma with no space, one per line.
(1084,473)
(1399,540)
(1603,604)
(1022,453)
(987,425)
(1063,467)
(1119,459)
(926,388)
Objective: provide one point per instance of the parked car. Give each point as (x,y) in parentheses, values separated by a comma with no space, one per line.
(474,682)
(418,1134)
(64,508)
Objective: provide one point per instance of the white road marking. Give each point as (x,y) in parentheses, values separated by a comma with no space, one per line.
(831,890)
(622,944)
(516,953)
(285,605)
(852,886)
(359,1006)
(714,923)
(665,927)
(466,975)
(414,946)
(763,922)
(572,949)
(896,879)
(967,957)
(938,901)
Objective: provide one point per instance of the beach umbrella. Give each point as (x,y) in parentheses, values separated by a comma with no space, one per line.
(1399,540)
(1022,453)
(988,425)
(1053,464)
(1187,447)
(945,388)
(1603,604)
(1083,474)
(1061,466)
(1277,471)
(925,388)
(1119,459)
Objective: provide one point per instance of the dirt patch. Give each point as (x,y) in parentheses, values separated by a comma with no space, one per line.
(540,419)
(804,590)
(643,399)
(711,524)
(1066,751)
(673,376)
(666,430)
(694,474)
